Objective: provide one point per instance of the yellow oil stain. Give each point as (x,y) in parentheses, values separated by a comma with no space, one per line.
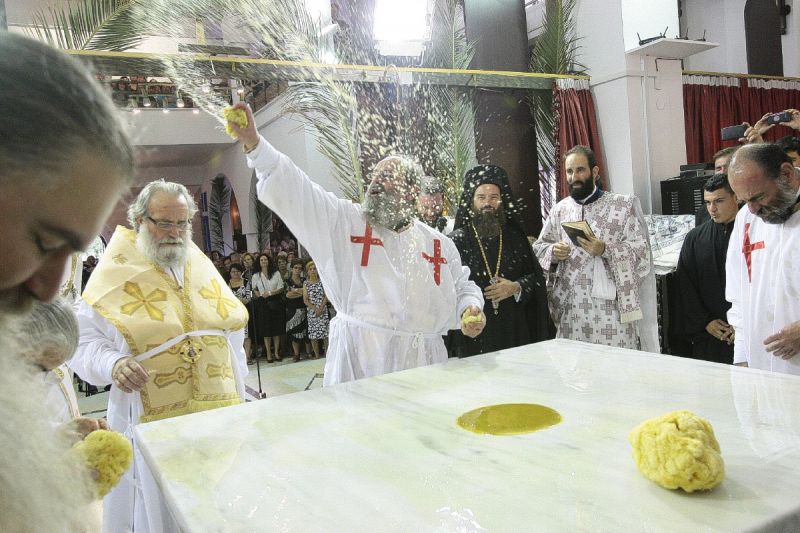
(509,419)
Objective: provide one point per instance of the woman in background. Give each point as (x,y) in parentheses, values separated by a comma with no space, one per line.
(267,286)
(296,308)
(317,303)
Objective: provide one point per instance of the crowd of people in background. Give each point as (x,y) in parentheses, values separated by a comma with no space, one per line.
(289,313)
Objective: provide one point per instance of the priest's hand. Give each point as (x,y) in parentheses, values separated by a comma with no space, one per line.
(786,343)
(472,321)
(248,134)
(719,329)
(129,375)
(561,251)
(593,246)
(501,290)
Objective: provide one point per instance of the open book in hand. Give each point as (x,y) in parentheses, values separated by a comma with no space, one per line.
(579,228)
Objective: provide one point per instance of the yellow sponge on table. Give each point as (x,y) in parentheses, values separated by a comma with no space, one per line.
(235,115)
(108,455)
(678,450)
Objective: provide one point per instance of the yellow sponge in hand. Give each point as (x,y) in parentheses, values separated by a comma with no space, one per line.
(108,455)
(235,115)
(678,450)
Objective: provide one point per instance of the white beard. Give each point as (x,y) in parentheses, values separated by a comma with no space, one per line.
(381,215)
(164,256)
(43,490)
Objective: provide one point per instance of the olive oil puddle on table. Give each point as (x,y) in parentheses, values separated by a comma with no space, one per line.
(509,419)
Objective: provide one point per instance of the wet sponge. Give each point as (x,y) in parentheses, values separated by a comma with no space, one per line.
(108,455)
(678,450)
(237,116)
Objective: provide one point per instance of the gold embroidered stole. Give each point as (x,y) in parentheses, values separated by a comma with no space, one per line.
(148,308)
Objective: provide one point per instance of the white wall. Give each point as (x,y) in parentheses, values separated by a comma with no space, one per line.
(723,21)
(289,136)
(649,19)
(179,126)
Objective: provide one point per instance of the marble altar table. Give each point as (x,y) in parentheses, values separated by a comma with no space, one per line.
(385,454)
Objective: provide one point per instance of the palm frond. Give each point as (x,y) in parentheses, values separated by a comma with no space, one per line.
(88,25)
(263,217)
(451,113)
(555,52)
(219,203)
(331,109)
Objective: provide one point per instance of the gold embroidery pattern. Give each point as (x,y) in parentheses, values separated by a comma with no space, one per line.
(180,376)
(215,293)
(126,333)
(120,259)
(157,295)
(219,371)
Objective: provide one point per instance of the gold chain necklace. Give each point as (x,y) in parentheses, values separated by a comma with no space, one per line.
(492,279)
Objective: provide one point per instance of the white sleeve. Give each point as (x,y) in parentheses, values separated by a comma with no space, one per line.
(733,289)
(467,292)
(100,346)
(308,210)
(236,338)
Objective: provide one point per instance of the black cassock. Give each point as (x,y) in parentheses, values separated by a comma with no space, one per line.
(701,282)
(516,323)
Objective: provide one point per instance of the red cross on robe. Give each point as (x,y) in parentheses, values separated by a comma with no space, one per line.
(367,241)
(748,249)
(437,260)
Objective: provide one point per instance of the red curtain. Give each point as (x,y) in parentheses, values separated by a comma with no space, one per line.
(576,123)
(710,105)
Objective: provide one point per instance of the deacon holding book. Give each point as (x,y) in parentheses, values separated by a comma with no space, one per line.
(491,239)
(601,287)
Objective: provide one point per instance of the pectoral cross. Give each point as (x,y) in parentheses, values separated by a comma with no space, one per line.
(495,303)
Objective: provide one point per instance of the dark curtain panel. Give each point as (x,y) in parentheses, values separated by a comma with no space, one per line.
(709,108)
(576,123)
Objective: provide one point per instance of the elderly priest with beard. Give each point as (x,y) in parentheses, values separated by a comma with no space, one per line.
(491,238)
(397,284)
(158,322)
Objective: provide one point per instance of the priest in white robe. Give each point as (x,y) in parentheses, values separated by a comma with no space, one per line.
(600,289)
(159,323)
(763,263)
(397,285)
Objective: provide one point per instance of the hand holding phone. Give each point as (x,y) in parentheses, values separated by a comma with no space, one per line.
(734,133)
(778,118)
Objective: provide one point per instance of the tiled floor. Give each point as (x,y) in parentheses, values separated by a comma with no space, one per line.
(276,379)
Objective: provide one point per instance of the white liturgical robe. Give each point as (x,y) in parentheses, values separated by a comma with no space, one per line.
(763,286)
(395,293)
(135,504)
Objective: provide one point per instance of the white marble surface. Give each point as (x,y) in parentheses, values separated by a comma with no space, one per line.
(385,454)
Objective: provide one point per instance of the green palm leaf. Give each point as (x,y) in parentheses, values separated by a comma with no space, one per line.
(88,25)
(219,202)
(450,111)
(555,52)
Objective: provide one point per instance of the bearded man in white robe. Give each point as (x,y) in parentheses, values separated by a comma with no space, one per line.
(159,323)
(763,277)
(397,285)
(65,160)
(601,289)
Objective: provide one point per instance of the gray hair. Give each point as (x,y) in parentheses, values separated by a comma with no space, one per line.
(139,208)
(49,326)
(52,109)
(409,167)
(430,185)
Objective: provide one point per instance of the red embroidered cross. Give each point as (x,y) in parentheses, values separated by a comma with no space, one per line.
(367,241)
(748,248)
(437,260)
